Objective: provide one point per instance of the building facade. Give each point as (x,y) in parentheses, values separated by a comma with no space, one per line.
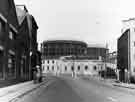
(66,57)
(8,33)
(16,34)
(58,48)
(96,51)
(111,64)
(112,60)
(69,66)
(27,38)
(126,51)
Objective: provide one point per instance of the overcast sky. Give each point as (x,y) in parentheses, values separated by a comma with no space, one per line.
(92,21)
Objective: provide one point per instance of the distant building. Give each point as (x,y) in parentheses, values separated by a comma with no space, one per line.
(71,65)
(58,48)
(96,51)
(126,51)
(68,57)
(112,60)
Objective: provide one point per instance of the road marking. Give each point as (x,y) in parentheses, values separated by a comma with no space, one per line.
(112,99)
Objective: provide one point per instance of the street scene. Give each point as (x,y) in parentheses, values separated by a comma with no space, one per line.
(67,89)
(67,51)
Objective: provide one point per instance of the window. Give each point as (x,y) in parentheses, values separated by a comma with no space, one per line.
(2,26)
(72,68)
(101,68)
(48,61)
(134,69)
(95,68)
(11,65)
(86,67)
(43,68)
(47,67)
(52,61)
(78,68)
(65,68)
(52,67)
(11,34)
(23,69)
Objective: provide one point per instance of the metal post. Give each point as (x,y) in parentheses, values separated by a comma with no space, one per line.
(30,53)
(106,60)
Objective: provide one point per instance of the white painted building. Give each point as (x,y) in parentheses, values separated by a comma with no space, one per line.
(70,66)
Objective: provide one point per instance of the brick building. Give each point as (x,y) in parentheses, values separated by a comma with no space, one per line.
(18,37)
(27,40)
(8,33)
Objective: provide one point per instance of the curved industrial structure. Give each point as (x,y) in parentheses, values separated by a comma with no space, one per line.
(58,48)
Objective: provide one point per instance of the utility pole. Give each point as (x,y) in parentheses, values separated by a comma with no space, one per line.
(106,55)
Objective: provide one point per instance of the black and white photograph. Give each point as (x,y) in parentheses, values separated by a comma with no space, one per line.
(67,51)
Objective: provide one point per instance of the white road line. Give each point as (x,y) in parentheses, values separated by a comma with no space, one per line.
(112,99)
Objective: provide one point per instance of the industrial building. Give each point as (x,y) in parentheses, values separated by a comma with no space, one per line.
(18,38)
(58,48)
(68,57)
(126,51)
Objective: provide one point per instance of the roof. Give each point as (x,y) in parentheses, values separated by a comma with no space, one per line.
(97,46)
(64,41)
(21,13)
(7,9)
(78,58)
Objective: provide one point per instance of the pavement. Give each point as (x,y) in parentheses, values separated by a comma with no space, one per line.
(125,85)
(5,83)
(68,89)
(13,92)
(113,82)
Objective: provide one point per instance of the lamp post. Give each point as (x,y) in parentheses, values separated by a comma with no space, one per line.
(73,68)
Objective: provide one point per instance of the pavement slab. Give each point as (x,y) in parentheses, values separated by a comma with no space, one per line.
(15,92)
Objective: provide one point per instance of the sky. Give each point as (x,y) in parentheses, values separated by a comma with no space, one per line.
(91,21)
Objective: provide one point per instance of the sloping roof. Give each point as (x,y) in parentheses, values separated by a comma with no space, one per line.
(7,9)
(21,14)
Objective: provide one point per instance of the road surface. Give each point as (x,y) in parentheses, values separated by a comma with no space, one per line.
(65,89)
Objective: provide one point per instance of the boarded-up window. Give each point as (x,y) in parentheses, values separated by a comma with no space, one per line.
(11,65)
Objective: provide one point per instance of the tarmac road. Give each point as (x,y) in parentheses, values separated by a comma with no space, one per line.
(67,89)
